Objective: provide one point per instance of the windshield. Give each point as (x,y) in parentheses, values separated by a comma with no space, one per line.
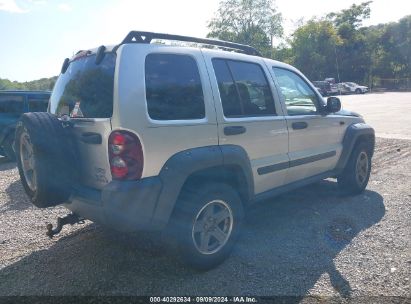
(351,84)
(85,89)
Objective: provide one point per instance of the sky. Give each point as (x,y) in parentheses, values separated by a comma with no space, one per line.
(36,35)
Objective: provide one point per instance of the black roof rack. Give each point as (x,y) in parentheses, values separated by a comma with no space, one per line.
(147,37)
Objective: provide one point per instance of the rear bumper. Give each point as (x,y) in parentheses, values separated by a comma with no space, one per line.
(123,205)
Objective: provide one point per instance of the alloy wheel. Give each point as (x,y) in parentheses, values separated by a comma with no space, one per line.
(212,227)
(362,167)
(28,161)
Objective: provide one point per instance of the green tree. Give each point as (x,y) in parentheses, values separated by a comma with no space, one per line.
(375,55)
(40,84)
(352,16)
(390,46)
(252,22)
(313,48)
(396,42)
(353,53)
(283,52)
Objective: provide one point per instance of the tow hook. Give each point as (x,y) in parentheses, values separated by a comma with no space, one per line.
(61,221)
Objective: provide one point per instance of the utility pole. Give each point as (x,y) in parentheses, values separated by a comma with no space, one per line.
(336,62)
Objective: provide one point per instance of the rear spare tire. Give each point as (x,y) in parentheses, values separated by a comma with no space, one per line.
(44,159)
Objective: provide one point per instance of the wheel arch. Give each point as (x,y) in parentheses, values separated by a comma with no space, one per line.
(231,175)
(369,139)
(354,135)
(228,163)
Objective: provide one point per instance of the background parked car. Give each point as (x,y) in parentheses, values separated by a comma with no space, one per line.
(351,87)
(321,91)
(324,87)
(12,105)
(333,86)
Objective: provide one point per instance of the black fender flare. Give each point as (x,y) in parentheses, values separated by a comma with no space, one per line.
(181,165)
(236,156)
(351,136)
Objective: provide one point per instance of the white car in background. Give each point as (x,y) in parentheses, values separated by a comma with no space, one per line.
(351,87)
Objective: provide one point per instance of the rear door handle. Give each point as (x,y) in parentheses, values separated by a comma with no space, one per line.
(91,138)
(299,125)
(234,130)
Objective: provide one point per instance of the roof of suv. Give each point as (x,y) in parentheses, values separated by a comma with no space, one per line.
(212,47)
(148,38)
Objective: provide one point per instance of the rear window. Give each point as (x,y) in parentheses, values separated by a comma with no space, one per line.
(173,87)
(85,89)
(11,104)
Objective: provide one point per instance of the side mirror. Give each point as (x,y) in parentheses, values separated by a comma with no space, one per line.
(333,104)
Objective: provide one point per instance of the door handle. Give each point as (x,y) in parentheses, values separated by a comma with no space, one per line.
(299,125)
(234,130)
(91,138)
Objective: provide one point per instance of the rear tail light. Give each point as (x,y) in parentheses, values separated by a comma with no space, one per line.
(125,155)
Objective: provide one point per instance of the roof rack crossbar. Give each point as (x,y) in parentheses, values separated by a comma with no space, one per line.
(147,37)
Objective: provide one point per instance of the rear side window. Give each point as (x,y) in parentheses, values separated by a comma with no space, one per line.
(11,104)
(38,104)
(173,87)
(244,89)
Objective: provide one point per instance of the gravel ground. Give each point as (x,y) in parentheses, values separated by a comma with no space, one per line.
(312,241)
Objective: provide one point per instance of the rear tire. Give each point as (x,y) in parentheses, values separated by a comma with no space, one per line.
(8,148)
(354,178)
(44,159)
(207,222)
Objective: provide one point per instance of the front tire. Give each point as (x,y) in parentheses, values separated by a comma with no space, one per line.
(354,178)
(8,148)
(207,223)
(358,91)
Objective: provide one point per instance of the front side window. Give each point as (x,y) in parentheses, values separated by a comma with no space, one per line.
(299,98)
(11,104)
(244,89)
(173,87)
(85,89)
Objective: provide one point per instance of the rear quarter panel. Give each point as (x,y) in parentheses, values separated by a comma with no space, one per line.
(160,139)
